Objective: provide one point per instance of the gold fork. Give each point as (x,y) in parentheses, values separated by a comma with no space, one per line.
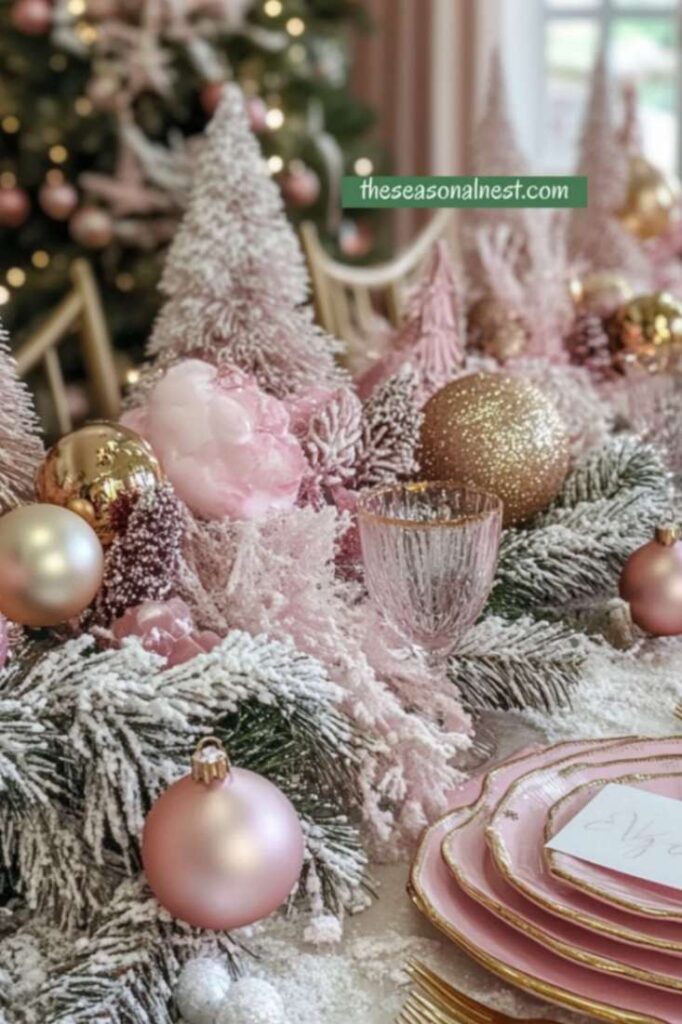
(434,1001)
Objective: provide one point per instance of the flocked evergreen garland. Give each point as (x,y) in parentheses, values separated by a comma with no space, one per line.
(300,688)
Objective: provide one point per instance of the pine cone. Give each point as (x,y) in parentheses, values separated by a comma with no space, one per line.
(588,345)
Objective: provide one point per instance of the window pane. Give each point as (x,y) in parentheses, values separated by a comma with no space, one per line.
(644,52)
(571,48)
(658,5)
(572,5)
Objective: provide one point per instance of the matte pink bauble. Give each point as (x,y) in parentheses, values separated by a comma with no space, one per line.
(32,17)
(651,582)
(209,97)
(91,227)
(301,187)
(223,847)
(15,207)
(58,201)
(257,109)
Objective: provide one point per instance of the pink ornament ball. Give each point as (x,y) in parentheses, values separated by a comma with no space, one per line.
(58,201)
(91,227)
(222,855)
(32,17)
(209,97)
(15,207)
(301,187)
(651,582)
(257,110)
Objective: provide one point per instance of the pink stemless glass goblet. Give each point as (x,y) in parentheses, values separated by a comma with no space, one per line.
(430,551)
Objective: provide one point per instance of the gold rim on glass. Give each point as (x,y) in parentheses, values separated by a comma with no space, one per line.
(526,982)
(496,504)
(593,890)
(502,860)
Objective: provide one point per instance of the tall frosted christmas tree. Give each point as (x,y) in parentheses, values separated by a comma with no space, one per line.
(235,282)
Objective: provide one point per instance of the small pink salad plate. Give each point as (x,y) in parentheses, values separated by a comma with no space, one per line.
(624,892)
(511,954)
(515,836)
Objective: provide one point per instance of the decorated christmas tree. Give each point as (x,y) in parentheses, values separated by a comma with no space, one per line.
(102,104)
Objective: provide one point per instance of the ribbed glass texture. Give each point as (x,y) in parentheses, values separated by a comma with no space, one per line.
(430,551)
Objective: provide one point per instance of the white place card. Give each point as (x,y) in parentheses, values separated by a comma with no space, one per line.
(628,830)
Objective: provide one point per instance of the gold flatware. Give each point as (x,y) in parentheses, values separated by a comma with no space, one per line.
(434,1001)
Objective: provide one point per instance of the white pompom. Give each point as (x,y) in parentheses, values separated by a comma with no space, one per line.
(252,1001)
(201,989)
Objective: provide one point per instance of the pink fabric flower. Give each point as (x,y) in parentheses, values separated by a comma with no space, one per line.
(226,446)
(165,627)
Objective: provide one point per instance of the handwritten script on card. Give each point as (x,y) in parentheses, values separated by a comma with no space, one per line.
(628,830)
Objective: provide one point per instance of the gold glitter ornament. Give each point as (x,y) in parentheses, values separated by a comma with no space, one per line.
(87,470)
(500,433)
(496,330)
(647,332)
(652,202)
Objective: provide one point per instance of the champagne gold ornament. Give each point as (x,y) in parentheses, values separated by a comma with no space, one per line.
(652,202)
(500,433)
(647,332)
(89,469)
(496,330)
(600,293)
(51,565)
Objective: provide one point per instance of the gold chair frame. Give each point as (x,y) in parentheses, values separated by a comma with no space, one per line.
(345,296)
(81,309)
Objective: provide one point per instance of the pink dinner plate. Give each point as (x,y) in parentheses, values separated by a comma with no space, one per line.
(515,837)
(467,855)
(646,899)
(514,957)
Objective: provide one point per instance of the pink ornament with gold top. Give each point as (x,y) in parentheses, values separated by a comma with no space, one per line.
(223,847)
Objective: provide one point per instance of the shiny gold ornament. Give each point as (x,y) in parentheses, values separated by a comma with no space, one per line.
(647,332)
(496,330)
(600,293)
(500,433)
(87,470)
(51,565)
(652,202)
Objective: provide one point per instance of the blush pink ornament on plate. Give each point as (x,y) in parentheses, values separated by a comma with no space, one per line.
(226,446)
(167,629)
(651,583)
(222,847)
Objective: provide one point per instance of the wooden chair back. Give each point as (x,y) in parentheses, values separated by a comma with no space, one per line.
(81,309)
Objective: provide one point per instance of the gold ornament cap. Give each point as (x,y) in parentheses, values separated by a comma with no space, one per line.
(667,534)
(210,762)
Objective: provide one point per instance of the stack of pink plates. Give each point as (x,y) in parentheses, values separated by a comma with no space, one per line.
(576,934)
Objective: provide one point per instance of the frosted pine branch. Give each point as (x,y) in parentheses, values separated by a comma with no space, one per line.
(573,553)
(521,664)
(20,447)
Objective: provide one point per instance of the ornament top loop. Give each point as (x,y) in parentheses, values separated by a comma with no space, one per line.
(210,761)
(667,534)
